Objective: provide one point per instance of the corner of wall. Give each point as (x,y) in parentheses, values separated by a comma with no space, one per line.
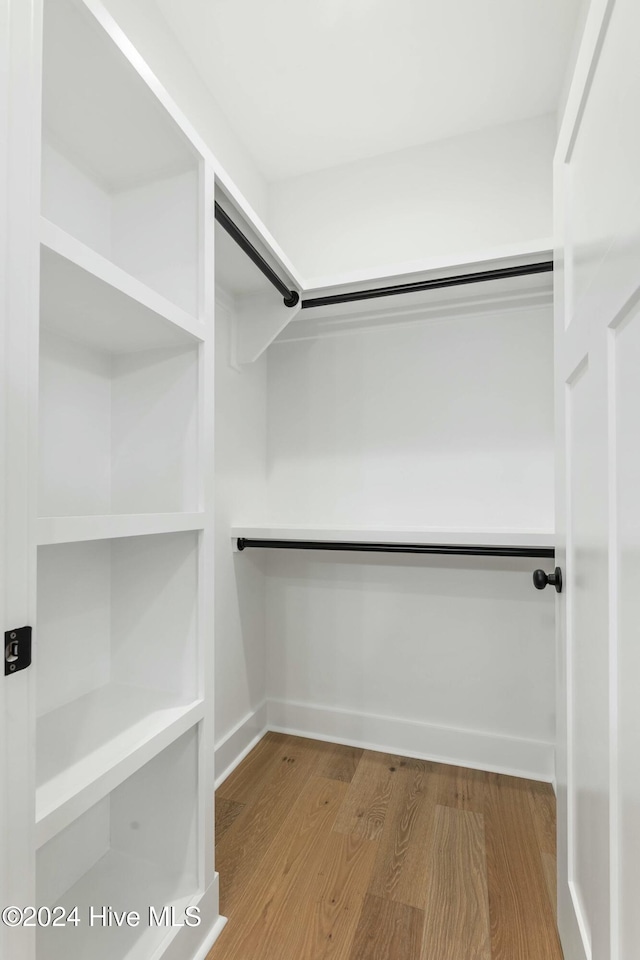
(240,631)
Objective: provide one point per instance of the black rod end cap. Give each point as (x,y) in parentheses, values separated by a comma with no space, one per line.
(541,579)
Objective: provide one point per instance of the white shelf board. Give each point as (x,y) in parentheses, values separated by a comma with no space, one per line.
(75,529)
(465,262)
(124,883)
(490,537)
(87,747)
(88,298)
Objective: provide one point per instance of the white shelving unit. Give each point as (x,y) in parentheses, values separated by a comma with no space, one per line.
(123,657)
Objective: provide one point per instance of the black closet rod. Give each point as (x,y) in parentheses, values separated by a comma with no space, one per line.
(448,549)
(291,297)
(501,273)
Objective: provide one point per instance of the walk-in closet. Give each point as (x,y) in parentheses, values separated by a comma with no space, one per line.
(319,536)
(415,422)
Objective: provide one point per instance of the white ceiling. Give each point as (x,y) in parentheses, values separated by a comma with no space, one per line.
(309,84)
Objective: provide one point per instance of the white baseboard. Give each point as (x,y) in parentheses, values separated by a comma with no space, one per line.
(242,738)
(214,933)
(194,943)
(518,757)
(532,759)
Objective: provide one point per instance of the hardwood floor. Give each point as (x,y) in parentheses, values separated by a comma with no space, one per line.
(328,852)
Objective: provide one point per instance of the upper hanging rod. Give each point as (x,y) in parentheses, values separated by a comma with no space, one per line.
(291,297)
(465,550)
(500,273)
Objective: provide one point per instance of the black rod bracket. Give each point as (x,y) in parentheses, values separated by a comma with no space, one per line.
(291,297)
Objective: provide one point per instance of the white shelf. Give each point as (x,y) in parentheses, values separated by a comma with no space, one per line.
(136,847)
(484,259)
(89,746)
(508,537)
(125,883)
(88,298)
(52,530)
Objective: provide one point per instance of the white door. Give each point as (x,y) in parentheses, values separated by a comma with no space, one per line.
(19,252)
(597,186)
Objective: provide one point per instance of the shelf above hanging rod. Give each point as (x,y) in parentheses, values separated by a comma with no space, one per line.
(292,297)
(434,283)
(446,549)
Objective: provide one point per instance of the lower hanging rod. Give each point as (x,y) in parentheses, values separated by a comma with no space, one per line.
(448,549)
(437,283)
(291,297)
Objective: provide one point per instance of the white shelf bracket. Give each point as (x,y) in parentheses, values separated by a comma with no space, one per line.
(258,321)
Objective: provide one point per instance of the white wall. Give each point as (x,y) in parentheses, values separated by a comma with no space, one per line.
(149,32)
(446,423)
(446,199)
(240,463)
(451,659)
(435,423)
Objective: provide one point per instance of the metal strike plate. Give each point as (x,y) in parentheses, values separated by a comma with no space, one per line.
(17,650)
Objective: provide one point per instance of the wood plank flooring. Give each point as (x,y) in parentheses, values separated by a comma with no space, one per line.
(328,852)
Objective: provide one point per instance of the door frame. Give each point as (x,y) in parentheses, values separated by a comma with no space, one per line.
(4,192)
(20,113)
